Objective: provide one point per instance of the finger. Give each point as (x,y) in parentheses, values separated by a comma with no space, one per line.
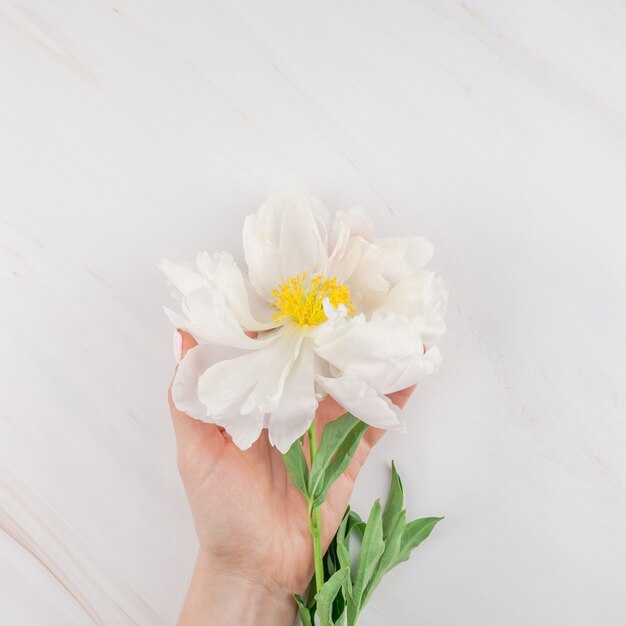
(189,431)
(329,410)
(400,398)
(373,435)
(340,492)
(187,340)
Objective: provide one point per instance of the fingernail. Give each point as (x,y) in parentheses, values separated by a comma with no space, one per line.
(178,345)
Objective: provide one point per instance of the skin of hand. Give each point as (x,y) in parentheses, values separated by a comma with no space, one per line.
(255,548)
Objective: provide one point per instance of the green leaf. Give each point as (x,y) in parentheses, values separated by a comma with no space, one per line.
(335,559)
(394,522)
(333,468)
(351,522)
(305,613)
(297,468)
(341,531)
(372,549)
(343,553)
(393,543)
(345,562)
(352,612)
(345,453)
(414,533)
(327,594)
(355,524)
(395,500)
(332,436)
(339,606)
(330,559)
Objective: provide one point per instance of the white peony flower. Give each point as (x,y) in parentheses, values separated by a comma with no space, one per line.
(336,310)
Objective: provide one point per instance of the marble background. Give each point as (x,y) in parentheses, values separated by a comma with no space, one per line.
(132,129)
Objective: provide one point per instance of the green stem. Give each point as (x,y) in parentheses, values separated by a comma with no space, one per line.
(315,521)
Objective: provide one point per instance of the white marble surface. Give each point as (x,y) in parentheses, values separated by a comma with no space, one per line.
(131,129)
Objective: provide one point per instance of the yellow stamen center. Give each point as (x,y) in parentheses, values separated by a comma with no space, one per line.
(301,300)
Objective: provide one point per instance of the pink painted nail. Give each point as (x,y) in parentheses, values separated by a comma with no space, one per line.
(178,345)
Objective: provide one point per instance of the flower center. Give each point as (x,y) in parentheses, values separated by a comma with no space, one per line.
(302,301)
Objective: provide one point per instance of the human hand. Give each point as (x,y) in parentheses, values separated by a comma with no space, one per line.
(255,546)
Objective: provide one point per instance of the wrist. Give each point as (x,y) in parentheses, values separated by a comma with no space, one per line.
(218,596)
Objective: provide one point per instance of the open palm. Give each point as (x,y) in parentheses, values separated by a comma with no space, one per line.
(249,517)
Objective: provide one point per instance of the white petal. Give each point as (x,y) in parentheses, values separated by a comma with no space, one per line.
(221,273)
(334,314)
(185,384)
(386,352)
(373,268)
(284,238)
(383,339)
(216,301)
(253,381)
(417,250)
(244,429)
(422,297)
(350,235)
(269,388)
(206,334)
(339,236)
(363,402)
(298,403)
(360,224)
(386,378)
(353,223)
(182,278)
(228,382)
(346,252)
(211,319)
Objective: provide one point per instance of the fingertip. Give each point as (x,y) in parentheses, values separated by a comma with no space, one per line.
(373,435)
(186,342)
(177,343)
(400,398)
